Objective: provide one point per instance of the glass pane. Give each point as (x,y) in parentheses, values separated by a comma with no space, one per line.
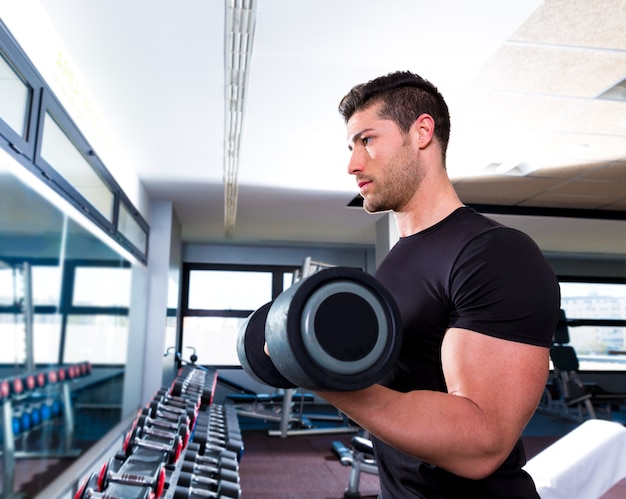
(101,287)
(7,285)
(229,290)
(598,347)
(214,339)
(46,285)
(130,229)
(591,300)
(100,339)
(170,332)
(287,280)
(14,98)
(46,338)
(12,339)
(60,153)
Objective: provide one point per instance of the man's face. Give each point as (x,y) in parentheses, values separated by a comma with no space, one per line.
(383,160)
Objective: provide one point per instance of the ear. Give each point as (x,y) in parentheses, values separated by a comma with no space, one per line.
(423,130)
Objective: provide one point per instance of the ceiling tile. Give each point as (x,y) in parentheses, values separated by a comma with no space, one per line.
(550,200)
(613,172)
(601,117)
(559,71)
(569,169)
(577,22)
(502,189)
(602,190)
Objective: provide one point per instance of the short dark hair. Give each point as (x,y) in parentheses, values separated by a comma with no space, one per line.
(404,97)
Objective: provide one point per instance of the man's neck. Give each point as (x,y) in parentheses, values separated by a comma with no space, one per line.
(434,201)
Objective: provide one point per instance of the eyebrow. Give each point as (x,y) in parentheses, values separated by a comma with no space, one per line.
(358,135)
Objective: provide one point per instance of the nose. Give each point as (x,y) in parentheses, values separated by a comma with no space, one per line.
(355,165)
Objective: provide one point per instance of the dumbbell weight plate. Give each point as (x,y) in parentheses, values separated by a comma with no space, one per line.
(250,350)
(338,329)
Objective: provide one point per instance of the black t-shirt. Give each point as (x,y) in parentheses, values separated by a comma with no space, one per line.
(469,272)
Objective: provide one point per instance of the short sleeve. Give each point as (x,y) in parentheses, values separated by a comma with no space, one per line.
(501,285)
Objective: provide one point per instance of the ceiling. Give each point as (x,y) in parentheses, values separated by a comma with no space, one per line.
(537,119)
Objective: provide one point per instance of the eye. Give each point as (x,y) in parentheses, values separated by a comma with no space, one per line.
(366,140)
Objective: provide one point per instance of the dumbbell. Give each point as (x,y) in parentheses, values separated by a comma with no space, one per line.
(185,401)
(194,379)
(190,485)
(210,441)
(5,389)
(41,379)
(133,473)
(157,412)
(170,427)
(217,422)
(212,460)
(144,429)
(210,471)
(224,458)
(338,329)
(21,421)
(170,449)
(35,415)
(158,406)
(89,490)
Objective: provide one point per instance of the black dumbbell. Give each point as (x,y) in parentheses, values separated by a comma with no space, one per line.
(224,458)
(213,442)
(337,329)
(144,419)
(133,473)
(187,399)
(210,471)
(156,412)
(250,350)
(170,449)
(89,490)
(5,389)
(190,485)
(213,460)
(143,428)
(159,405)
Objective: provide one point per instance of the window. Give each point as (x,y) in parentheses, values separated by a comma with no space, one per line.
(101,287)
(229,290)
(14,98)
(59,151)
(596,314)
(217,299)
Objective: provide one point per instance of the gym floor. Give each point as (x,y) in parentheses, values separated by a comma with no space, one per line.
(305,467)
(302,467)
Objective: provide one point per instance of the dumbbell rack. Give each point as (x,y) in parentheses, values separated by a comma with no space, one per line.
(180,445)
(21,411)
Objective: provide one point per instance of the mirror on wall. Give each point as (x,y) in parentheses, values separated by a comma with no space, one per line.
(64,301)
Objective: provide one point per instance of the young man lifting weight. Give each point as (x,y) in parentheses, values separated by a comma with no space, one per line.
(478,302)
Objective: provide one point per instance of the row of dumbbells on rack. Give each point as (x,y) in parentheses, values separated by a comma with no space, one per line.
(33,396)
(180,446)
(22,384)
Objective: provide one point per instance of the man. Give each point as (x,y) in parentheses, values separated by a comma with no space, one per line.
(478,302)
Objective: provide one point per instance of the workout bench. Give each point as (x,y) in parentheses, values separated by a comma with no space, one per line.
(360,458)
(586,462)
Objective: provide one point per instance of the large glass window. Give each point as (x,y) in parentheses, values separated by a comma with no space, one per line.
(46,285)
(100,339)
(7,285)
(130,229)
(216,302)
(101,287)
(14,98)
(596,313)
(229,290)
(59,151)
